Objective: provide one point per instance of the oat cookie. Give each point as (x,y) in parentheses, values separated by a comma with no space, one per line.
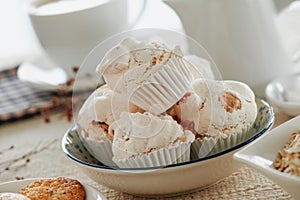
(54,189)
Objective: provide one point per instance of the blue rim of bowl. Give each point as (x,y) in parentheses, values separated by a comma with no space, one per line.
(254,137)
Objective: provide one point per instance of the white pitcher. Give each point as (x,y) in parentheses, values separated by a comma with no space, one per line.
(240,35)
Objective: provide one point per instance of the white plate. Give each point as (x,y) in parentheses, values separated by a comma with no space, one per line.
(261,154)
(15,186)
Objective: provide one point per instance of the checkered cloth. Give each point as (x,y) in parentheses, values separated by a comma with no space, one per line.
(18,100)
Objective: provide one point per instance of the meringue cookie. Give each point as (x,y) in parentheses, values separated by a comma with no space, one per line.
(127,55)
(228,107)
(147,74)
(98,112)
(187,110)
(200,67)
(105,106)
(137,134)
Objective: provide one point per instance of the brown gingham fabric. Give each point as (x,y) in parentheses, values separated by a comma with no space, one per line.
(19,100)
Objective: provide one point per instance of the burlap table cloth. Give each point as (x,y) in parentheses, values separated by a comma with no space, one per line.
(27,152)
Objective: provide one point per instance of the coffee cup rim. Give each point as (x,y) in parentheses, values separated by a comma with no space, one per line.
(33,5)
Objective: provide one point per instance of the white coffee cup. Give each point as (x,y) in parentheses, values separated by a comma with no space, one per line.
(69,29)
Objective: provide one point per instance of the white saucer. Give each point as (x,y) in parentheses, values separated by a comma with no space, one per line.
(52,78)
(44,78)
(284,93)
(15,186)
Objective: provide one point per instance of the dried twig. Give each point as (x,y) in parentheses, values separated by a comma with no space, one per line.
(7,149)
(9,164)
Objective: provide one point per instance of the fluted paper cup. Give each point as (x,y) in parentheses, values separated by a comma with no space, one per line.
(100,149)
(210,145)
(161,157)
(164,88)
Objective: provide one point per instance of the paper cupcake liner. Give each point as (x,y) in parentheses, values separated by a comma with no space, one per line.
(164,89)
(100,149)
(208,146)
(161,157)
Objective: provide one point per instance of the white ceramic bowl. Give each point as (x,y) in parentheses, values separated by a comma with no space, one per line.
(262,153)
(284,93)
(172,179)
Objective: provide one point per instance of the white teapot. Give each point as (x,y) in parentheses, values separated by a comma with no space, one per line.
(240,35)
